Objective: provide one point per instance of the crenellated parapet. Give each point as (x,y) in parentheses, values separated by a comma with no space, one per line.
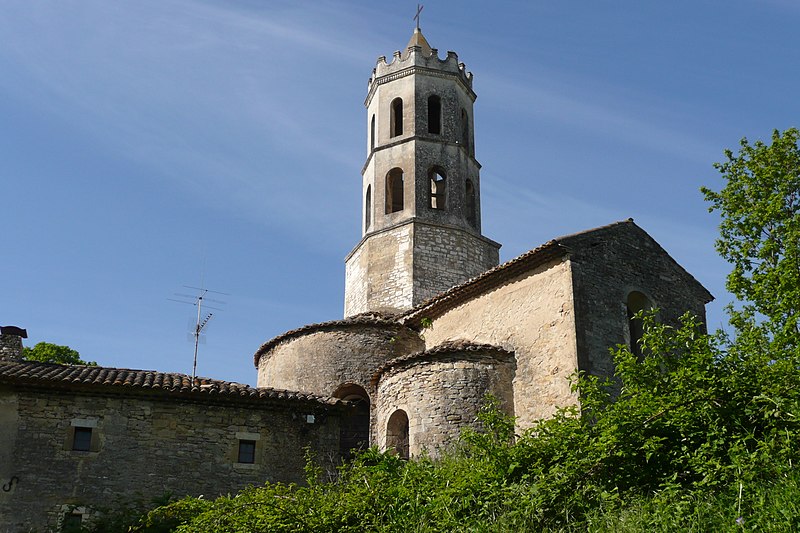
(418,57)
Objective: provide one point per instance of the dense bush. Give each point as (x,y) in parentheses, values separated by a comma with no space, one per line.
(687,432)
(697,432)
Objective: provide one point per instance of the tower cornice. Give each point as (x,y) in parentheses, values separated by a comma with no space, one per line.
(422,138)
(461,76)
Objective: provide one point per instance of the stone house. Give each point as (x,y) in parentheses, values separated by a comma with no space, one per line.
(432,324)
(80,438)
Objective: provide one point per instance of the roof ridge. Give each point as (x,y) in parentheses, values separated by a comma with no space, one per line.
(118,379)
(369,318)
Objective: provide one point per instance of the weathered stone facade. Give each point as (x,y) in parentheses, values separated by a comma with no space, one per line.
(324,357)
(440,392)
(610,263)
(402,266)
(11,342)
(145,441)
(530,314)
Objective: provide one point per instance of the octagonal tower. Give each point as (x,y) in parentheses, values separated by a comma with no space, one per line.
(421,216)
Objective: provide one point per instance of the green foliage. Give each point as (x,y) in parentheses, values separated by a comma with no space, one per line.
(760,235)
(669,441)
(45,352)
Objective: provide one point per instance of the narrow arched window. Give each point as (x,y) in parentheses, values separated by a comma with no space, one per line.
(397,117)
(469,204)
(635,303)
(437,196)
(397,434)
(372,134)
(465,130)
(368,208)
(434,114)
(394,190)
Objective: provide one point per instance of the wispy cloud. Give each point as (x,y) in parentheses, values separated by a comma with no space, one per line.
(602,111)
(169,88)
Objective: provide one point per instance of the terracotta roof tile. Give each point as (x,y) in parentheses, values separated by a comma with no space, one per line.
(466,348)
(483,282)
(372,318)
(49,375)
(498,275)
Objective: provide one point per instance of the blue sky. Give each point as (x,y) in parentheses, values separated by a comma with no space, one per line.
(154,144)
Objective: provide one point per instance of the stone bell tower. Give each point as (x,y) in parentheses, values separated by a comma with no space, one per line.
(421,215)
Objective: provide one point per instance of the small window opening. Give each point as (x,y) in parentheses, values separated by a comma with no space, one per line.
(469,192)
(397,117)
(82,439)
(394,190)
(397,434)
(636,302)
(372,134)
(465,130)
(247,451)
(434,114)
(368,208)
(72,522)
(437,198)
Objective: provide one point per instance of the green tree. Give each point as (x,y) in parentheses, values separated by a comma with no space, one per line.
(760,235)
(46,352)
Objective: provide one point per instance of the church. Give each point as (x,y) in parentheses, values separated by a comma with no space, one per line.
(432,324)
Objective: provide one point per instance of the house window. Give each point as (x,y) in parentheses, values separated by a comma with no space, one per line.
(82,439)
(72,522)
(247,451)
(434,114)
(437,197)
(397,117)
(394,190)
(397,434)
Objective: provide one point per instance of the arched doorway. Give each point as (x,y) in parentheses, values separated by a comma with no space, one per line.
(354,428)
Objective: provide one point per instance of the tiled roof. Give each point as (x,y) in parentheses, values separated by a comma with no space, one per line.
(116,380)
(483,282)
(371,318)
(498,275)
(465,348)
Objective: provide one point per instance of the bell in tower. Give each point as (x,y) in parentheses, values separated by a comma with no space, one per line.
(421,223)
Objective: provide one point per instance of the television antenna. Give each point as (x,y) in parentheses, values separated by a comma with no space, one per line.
(197,330)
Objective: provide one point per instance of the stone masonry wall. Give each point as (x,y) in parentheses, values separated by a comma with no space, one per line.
(610,263)
(146,446)
(10,346)
(440,398)
(445,257)
(533,316)
(404,266)
(378,272)
(321,361)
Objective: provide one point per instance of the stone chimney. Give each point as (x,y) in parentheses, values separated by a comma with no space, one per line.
(11,343)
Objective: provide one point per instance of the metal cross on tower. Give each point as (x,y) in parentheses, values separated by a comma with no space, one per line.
(419,10)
